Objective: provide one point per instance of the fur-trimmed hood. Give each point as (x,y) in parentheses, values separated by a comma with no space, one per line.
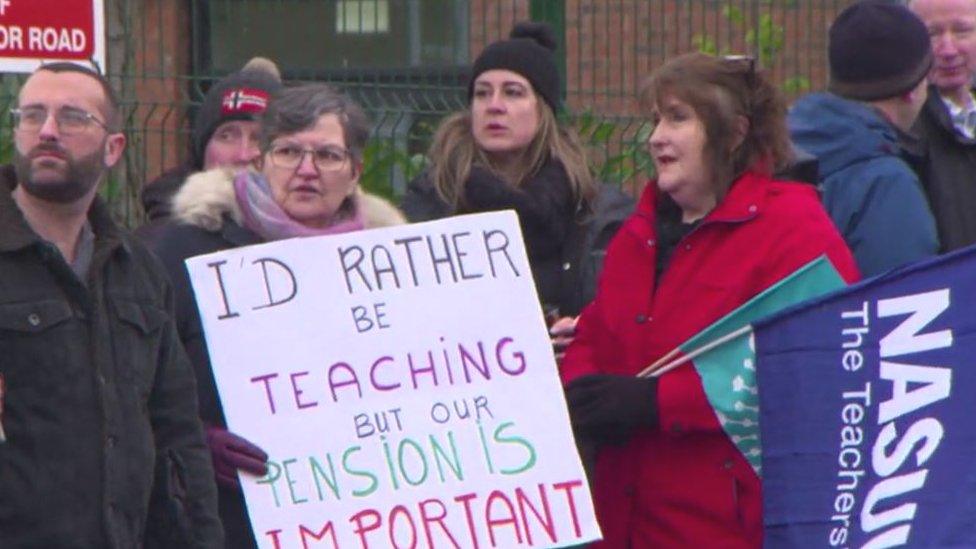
(208,196)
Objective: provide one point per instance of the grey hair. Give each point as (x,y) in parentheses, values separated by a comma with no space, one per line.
(292,110)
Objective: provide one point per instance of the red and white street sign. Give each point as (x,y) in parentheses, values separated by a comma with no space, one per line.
(33,32)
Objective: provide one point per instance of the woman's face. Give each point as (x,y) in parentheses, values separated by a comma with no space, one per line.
(504,112)
(311,172)
(677,145)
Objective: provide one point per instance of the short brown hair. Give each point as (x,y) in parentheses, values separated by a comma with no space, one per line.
(720,89)
(113,109)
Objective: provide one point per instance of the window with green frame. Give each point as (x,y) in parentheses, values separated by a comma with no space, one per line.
(317,37)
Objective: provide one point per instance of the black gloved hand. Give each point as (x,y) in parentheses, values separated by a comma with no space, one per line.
(609,408)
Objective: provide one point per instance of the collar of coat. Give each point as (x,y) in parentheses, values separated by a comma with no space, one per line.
(937,109)
(745,199)
(208,196)
(16,233)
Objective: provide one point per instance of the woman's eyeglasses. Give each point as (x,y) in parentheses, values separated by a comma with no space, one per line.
(326,159)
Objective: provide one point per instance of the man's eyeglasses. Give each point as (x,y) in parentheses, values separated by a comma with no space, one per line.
(68,119)
(326,159)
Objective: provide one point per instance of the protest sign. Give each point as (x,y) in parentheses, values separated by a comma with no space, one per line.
(402,382)
(33,32)
(866,413)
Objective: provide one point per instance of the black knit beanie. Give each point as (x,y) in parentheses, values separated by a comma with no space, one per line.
(242,95)
(529,51)
(877,50)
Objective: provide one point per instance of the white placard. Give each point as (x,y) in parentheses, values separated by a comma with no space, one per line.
(402,382)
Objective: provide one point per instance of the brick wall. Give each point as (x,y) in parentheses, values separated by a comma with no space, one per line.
(613,45)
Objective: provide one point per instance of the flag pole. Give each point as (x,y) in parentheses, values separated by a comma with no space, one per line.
(660,362)
(649,372)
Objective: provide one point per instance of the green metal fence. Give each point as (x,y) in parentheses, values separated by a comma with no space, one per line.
(406,62)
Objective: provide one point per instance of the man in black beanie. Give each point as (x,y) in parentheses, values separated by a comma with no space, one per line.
(225,134)
(879,55)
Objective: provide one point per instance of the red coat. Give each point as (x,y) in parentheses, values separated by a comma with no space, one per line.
(685,484)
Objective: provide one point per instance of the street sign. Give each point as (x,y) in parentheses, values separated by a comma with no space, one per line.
(33,32)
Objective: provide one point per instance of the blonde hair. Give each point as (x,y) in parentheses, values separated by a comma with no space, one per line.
(454,151)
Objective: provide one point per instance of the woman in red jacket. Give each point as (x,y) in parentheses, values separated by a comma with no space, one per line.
(712,231)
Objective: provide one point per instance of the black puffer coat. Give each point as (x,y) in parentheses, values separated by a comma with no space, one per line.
(157,197)
(565,243)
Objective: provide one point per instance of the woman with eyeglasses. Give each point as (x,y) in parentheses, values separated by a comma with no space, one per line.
(710,232)
(305,184)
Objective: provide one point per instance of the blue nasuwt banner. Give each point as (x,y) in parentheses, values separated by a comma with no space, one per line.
(868,412)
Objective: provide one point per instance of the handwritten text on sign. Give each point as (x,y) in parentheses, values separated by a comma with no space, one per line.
(403,384)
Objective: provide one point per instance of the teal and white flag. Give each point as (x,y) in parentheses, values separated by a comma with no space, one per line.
(724,353)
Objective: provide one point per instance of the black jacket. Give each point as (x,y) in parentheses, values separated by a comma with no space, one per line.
(157,196)
(949,175)
(586,247)
(805,168)
(173,244)
(565,244)
(98,391)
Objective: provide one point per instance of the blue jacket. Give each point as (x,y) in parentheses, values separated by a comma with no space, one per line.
(870,192)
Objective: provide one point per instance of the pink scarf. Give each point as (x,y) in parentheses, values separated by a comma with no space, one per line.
(264,216)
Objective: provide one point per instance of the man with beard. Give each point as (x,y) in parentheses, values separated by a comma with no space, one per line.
(96,389)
